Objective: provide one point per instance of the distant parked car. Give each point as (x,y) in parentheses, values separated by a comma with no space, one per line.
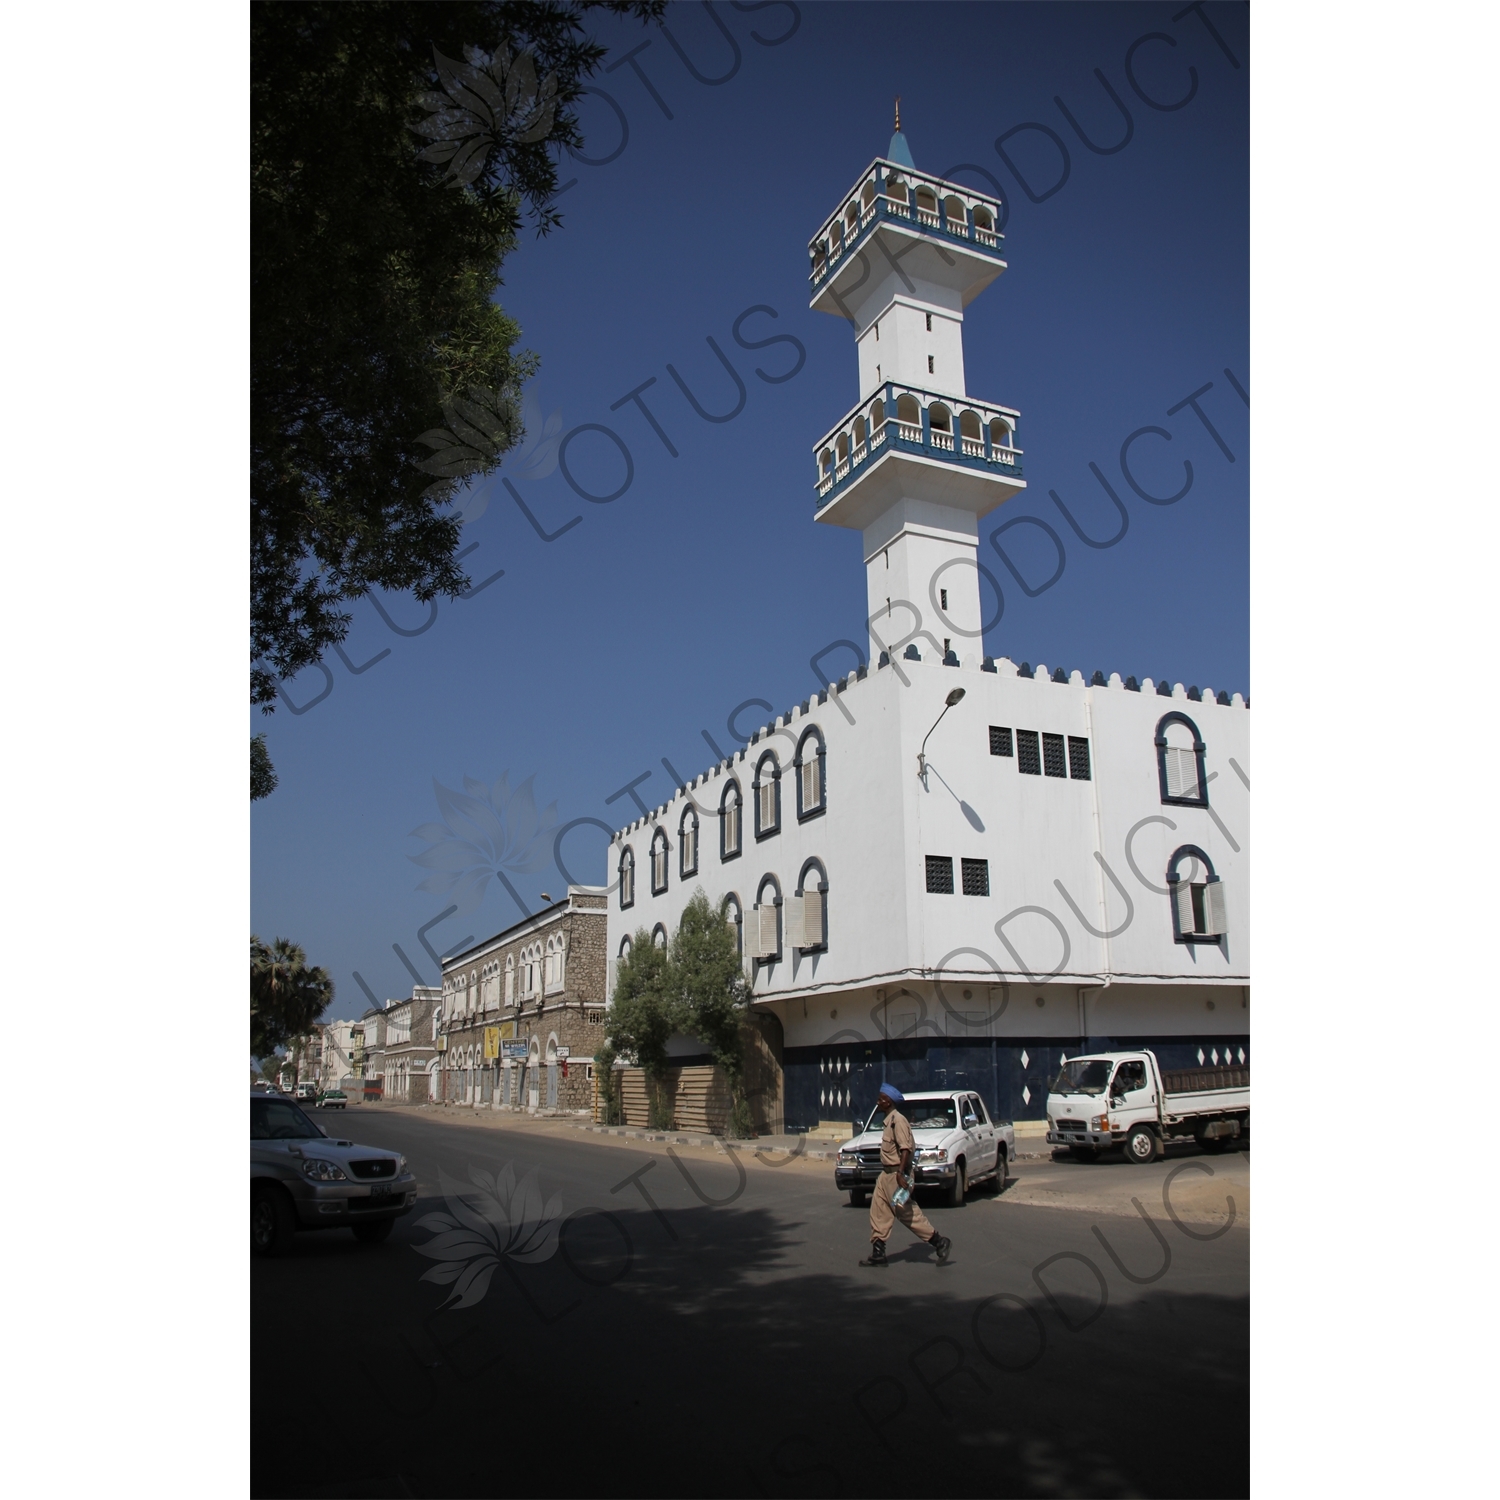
(301,1178)
(332,1099)
(957,1145)
(307,1091)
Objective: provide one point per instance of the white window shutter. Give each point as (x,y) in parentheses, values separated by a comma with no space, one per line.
(795,933)
(767,805)
(1213,909)
(812,919)
(764,933)
(1182,772)
(1182,893)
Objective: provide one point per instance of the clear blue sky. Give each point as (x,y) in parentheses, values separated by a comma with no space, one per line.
(706,582)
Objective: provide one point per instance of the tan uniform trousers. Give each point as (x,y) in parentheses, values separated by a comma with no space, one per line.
(884,1213)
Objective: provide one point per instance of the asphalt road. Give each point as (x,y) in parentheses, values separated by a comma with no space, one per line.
(699,1326)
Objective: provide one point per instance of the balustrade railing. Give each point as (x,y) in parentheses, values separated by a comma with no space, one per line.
(972,447)
(930,217)
(908,432)
(941,439)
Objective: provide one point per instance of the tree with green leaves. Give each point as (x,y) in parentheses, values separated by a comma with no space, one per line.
(644,1015)
(286,995)
(707,976)
(395,150)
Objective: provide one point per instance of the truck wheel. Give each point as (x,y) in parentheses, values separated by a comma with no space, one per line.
(1140,1145)
(958,1187)
(273,1220)
(1084,1153)
(372,1231)
(997,1182)
(858,1197)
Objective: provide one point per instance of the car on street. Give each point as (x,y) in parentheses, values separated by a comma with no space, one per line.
(332,1099)
(303,1178)
(958,1145)
(307,1091)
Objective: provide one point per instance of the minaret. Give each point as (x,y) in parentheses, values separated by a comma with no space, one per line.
(917,462)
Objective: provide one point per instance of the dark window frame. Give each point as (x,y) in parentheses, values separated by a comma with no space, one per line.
(1199,752)
(1080,758)
(1002,742)
(1029,752)
(732,791)
(755,786)
(972,866)
(940,865)
(1055,756)
(812,732)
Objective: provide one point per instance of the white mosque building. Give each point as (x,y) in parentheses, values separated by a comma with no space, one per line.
(945,869)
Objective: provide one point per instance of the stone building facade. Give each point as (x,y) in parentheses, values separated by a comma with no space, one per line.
(523,1012)
(411,1045)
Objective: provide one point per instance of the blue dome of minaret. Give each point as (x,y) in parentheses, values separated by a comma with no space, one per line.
(899,151)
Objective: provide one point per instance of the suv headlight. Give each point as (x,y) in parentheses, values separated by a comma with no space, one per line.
(323,1171)
(933,1153)
(1099,1122)
(848,1158)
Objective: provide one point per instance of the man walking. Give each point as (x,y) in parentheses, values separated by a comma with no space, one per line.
(897,1147)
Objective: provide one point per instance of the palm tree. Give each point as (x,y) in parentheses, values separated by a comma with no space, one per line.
(286,996)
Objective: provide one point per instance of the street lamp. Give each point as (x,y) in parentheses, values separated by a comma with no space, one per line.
(954,697)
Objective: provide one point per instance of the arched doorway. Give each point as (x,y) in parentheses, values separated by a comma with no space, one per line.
(551,1072)
(533,1077)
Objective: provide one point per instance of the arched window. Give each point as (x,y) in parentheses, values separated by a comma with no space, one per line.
(510,979)
(927,206)
(627,878)
(877,423)
(624,947)
(658,862)
(1198,914)
(1179,761)
(471,992)
(956,215)
(984,219)
(767,788)
(659,936)
(763,923)
(687,842)
(1000,433)
(909,418)
(896,195)
(735,916)
(809,763)
(729,821)
(807,910)
(939,418)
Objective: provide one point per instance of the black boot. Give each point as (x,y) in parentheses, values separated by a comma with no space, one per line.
(877,1254)
(941,1245)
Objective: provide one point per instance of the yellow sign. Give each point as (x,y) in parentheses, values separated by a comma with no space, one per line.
(491,1043)
(507,1031)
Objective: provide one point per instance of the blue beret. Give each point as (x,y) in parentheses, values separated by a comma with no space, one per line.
(893,1093)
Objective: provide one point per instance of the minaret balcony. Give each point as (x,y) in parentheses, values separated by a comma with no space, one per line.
(914,206)
(968,446)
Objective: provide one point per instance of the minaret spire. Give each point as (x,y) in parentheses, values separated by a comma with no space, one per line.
(898,114)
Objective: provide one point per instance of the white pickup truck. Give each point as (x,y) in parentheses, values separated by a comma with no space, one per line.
(1125,1099)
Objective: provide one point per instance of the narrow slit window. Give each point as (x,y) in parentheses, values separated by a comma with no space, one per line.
(931,370)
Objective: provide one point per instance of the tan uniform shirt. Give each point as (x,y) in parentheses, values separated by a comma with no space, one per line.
(894,1139)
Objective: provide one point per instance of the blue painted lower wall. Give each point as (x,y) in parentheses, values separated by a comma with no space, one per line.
(839,1082)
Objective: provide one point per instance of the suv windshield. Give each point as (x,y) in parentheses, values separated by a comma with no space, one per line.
(1082,1076)
(280,1120)
(921,1114)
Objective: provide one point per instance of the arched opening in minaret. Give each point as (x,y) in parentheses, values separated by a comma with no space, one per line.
(867,198)
(957,215)
(825,469)
(908,419)
(1000,435)
(927,206)
(877,423)
(841,449)
(851,220)
(972,433)
(819,258)
(860,434)
(940,421)
(984,224)
(896,195)
(835,241)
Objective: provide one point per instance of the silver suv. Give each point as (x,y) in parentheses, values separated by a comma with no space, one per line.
(303,1178)
(957,1145)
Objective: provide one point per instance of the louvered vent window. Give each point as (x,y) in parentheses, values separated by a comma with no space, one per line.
(767,806)
(1200,910)
(1182,772)
(939,875)
(731,822)
(976,877)
(1078,758)
(659,866)
(1028,752)
(1000,742)
(812,791)
(1052,755)
(688,843)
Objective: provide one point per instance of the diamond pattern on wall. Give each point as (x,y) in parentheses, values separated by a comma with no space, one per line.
(1215,1056)
(1026,1095)
(1025,1061)
(1200,1057)
(1242,1054)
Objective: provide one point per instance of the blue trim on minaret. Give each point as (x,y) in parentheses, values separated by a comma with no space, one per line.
(900,152)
